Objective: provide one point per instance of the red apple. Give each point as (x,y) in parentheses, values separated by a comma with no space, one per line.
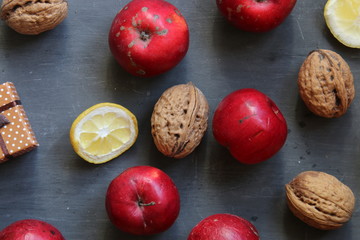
(256,15)
(142,200)
(224,227)
(250,125)
(30,229)
(149,37)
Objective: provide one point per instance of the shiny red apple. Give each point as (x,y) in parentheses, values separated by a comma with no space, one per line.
(149,37)
(142,200)
(30,229)
(250,125)
(224,227)
(256,15)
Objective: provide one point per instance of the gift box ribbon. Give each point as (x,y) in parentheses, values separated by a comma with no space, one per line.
(3,122)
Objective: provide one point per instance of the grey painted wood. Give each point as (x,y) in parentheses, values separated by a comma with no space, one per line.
(60,73)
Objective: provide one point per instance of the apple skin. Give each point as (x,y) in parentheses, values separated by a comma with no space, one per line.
(149,37)
(250,125)
(255,15)
(142,200)
(224,226)
(29,229)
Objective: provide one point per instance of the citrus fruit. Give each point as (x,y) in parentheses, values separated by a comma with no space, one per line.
(103,132)
(343,19)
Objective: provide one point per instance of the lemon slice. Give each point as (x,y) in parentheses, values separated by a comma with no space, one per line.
(343,19)
(103,132)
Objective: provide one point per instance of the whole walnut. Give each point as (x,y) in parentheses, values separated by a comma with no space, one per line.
(326,83)
(320,200)
(179,120)
(32,17)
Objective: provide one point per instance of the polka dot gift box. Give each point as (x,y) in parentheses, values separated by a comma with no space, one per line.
(16,135)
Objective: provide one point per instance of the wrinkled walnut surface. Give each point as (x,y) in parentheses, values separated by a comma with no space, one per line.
(179,120)
(320,200)
(32,17)
(326,83)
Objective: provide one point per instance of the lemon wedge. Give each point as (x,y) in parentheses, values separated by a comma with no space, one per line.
(343,19)
(103,132)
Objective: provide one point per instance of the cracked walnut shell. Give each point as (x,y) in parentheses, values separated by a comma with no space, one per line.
(179,120)
(32,17)
(326,83)
(320,200)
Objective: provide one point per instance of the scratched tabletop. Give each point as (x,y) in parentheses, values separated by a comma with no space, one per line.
(60,73)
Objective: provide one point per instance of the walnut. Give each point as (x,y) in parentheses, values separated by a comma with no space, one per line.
(179,120)
(326,83)
(320,200)
(33,17)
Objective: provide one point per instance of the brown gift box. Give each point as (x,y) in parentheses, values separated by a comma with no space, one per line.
(16,136)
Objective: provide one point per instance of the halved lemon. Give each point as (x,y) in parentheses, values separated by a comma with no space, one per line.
(103,132)
(343,19)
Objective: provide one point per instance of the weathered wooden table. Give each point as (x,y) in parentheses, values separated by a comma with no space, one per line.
(60,73)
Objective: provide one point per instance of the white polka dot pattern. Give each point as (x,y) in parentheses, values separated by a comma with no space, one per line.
(8,93)
(17,135)
(17,141)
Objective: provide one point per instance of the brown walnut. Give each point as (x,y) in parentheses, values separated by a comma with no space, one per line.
(33,17)
(326,83)
(320,200)
(179,120)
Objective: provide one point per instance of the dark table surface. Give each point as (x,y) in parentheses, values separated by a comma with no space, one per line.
(60,73)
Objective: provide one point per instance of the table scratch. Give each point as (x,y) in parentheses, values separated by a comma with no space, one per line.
(301,32)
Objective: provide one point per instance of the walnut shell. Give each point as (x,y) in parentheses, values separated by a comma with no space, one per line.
(320,200)
(326,83)
(179,120)
(33,17)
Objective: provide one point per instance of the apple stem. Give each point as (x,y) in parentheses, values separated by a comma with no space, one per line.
(144,35)
(146,204)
